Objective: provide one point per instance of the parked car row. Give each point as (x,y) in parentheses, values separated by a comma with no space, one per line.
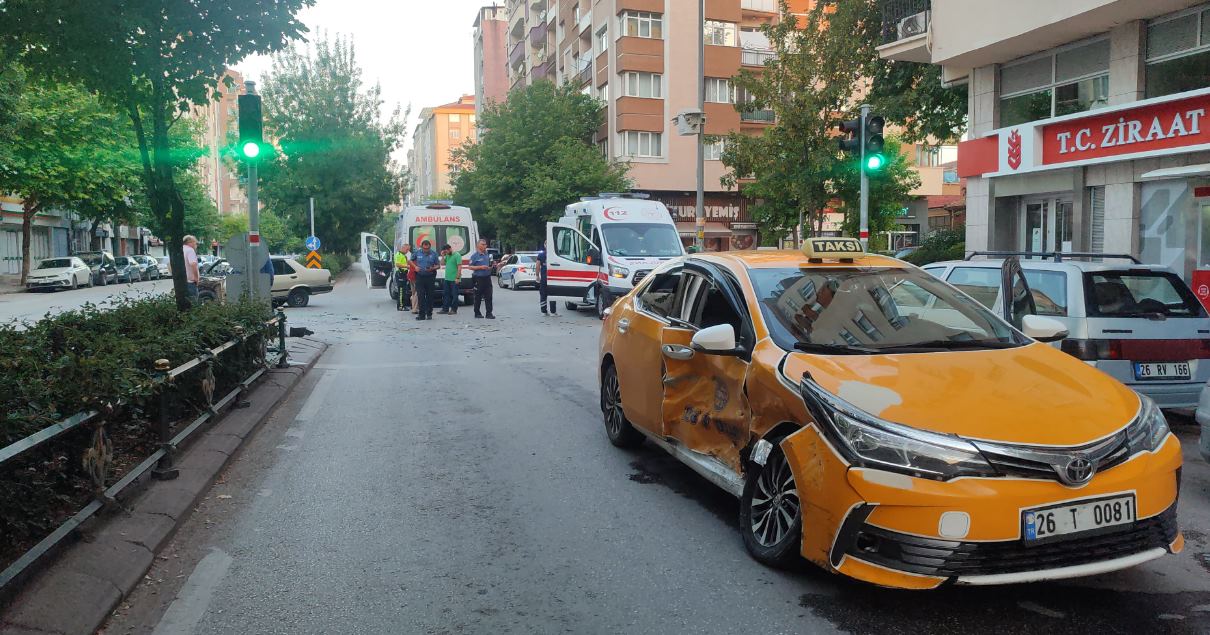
(92,268)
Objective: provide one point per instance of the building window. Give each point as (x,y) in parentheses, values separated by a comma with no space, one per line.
(714,149)
(644,85)
(455,133)
(719,91)
(603,40)
(642,24)
(1178,53)
(603,93)
(455,118)
(641,144)
(1073,79)
(928,156)
(721,33)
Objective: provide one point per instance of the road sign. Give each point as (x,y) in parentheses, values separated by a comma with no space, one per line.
(314,261)
(312,243)
(250,269)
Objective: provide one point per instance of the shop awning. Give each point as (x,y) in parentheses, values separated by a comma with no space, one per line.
(712,229)
(1201,169)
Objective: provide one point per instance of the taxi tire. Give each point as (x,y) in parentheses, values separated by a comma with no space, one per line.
(617,427)
(783,554)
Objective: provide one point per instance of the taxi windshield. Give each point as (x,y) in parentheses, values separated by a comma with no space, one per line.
(873,310)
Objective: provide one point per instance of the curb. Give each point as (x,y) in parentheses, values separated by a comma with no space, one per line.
(78,591)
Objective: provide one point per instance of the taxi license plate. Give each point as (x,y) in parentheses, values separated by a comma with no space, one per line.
(1161,370)
(1062,520)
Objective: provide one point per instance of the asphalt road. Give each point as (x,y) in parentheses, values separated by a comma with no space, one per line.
(453,476)
(25,306)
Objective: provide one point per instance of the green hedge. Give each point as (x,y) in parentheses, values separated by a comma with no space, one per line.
(83,359)
(337,263)
(949,244)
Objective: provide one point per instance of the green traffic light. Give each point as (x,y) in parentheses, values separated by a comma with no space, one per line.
(251,149)
(874,162)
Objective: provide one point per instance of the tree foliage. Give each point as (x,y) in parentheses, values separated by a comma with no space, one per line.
(150,59)
(333,144)
(67,151)
(534,157)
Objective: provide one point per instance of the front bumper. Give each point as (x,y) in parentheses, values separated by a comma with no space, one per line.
(886,528)
(57,283)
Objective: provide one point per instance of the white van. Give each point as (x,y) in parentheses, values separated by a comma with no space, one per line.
(604,245)
(438,222)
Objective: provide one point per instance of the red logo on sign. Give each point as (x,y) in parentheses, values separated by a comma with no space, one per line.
(615,213)
(1014,149)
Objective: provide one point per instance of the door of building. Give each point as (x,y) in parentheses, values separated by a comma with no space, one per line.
(10,252)
(1046,224)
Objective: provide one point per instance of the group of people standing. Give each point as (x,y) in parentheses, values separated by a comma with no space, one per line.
(417,276)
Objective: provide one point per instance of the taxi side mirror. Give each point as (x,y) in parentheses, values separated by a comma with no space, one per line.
(1043,329)
(715,340)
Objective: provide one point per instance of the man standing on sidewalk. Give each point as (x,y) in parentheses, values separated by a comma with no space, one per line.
(427,262)
(481,274)
(192,275)
(401,279)
(452,262)
(548,308)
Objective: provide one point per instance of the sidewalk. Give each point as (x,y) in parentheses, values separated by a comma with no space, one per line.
(10,284)
(76,592)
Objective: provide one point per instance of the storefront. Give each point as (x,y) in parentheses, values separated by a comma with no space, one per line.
(729,223)
(1130,179)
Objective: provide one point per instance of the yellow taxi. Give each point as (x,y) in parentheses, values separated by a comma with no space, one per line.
(884,425)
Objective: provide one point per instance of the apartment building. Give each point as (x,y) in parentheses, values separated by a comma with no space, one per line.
(640,58)
(219,119)
(441,130)
(1086,120)
(491,56)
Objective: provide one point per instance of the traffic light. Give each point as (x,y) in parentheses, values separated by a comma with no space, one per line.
(874,159)
(251,135)
(850,136)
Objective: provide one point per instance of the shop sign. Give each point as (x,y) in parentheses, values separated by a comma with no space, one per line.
(1161,126)
(712,212)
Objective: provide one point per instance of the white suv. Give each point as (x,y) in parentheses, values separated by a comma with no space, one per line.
(1139,323)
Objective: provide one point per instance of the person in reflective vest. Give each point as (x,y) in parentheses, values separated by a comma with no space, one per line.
(401,279)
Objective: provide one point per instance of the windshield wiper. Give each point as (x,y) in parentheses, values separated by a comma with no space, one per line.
(950,345)
(833,349)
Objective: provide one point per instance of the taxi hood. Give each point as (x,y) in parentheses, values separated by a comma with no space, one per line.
(1030,395)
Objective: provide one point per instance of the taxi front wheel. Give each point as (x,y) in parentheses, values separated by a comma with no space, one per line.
(770,514)
(617,427)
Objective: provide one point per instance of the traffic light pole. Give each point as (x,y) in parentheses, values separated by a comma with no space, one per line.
(864,230)
(253,207)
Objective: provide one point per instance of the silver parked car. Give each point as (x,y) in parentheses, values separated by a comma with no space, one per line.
(1139,323)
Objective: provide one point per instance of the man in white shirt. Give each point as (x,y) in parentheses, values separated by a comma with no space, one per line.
(192,275)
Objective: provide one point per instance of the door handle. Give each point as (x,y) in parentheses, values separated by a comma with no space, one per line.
(623,324)
(676,351)
(554,264)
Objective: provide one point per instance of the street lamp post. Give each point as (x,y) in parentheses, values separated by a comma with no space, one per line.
(699,225)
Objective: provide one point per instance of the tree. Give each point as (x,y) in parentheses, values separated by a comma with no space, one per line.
(150,59)
(333,144)
(67,151)
(534,157)
(890,190)
(273,231)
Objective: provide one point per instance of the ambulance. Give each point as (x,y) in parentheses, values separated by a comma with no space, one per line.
(439,222)
(605,245)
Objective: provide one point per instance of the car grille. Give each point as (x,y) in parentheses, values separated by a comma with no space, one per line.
(639,275)
(1044,463)
(948,558)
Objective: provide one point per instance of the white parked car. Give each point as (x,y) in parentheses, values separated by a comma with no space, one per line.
(59,273)
(165,269)
(294,284)
(521,270)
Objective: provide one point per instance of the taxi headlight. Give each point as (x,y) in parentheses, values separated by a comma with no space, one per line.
(1148,431)
(619,272)
(867,441)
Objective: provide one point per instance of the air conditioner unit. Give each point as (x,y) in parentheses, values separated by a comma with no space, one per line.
(913,25)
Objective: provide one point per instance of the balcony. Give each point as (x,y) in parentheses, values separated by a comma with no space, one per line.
(758,116)
(756,58)
(517,55)
(584,75)
(584,21)
(905,27)
(537,35)
(764,6)
(545,70)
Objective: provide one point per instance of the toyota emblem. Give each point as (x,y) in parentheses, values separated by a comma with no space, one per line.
(1078,471)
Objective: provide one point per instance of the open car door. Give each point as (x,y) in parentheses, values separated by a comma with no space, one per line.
(1017,298)
(376,259)
(573,264)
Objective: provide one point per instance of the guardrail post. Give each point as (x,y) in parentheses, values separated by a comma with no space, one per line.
(281,339)
(163,470)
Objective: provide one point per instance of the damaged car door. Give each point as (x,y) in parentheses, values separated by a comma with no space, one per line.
(705,351)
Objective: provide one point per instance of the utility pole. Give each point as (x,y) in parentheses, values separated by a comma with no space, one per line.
(864,230)
(312,216)
(700,211)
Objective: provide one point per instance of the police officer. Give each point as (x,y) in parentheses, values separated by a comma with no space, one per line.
(481,275)
(401,278)
(427,262)
(547,306)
